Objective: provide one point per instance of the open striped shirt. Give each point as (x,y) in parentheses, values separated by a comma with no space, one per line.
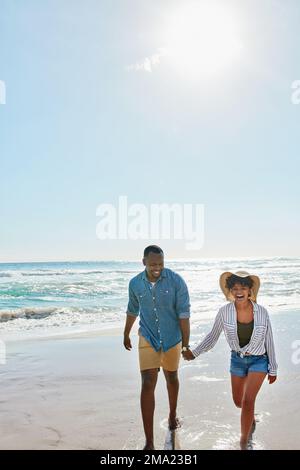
(261,341)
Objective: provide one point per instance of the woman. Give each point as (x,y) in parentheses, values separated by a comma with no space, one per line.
(248,332)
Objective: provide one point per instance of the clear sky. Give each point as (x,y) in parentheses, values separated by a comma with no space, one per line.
(122,97)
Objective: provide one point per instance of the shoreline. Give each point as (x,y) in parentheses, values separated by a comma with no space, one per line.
(115,329)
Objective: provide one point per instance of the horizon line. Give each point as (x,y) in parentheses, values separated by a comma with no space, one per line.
(136,260)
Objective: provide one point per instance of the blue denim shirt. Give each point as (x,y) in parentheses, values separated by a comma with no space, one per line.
(160,307)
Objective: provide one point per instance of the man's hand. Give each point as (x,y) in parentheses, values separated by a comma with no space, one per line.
(130,319)
(188,355)
(272,379)
(127,342)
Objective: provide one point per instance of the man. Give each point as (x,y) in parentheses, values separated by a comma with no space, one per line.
(160,297)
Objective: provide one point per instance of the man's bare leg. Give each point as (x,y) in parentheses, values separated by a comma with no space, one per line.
(149,379)
(173,389)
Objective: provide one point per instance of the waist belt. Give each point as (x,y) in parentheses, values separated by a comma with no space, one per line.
(242,355)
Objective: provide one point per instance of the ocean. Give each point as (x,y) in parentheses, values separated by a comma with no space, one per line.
(45,299)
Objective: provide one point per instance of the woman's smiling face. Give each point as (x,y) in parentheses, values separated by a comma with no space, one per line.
(240,293)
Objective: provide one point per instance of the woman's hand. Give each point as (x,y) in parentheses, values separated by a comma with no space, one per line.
(188,355)
(272,378)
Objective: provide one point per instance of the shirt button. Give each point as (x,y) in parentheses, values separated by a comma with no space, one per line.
(156,319)
(155,309)
(153,298)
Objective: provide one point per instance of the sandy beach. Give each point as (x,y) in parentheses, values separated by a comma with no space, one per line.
(82,392)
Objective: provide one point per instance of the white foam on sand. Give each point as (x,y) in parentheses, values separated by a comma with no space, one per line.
(204,378)
(194,366)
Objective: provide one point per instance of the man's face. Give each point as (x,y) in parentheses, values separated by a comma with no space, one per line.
(154,263)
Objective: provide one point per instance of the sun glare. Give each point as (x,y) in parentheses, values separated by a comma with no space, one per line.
(202,38)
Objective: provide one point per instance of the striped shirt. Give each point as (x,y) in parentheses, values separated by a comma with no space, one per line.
(261,341)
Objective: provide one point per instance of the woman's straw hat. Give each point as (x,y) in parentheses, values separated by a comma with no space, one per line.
(243,274)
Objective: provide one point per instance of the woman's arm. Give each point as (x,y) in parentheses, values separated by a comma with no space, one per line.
(212,337)
(270,348)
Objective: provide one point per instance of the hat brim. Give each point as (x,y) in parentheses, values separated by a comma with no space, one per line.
(226,291)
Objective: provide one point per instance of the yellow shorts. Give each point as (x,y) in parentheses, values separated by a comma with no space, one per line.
(151,359)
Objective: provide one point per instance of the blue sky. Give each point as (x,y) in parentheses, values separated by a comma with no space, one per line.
(80,127)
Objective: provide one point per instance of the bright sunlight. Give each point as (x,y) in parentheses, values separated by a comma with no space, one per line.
(203,38)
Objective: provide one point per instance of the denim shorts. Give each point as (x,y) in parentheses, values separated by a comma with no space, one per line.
(241,366)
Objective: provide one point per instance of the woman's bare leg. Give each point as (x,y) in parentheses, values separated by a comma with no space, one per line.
(252,385)
(237,387)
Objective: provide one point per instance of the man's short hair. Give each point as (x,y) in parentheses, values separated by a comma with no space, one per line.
(153,249)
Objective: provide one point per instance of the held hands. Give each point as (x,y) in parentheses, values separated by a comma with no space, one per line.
(127,342)
(271,379)
(188,355)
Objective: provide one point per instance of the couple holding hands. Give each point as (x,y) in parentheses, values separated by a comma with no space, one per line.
(160,298)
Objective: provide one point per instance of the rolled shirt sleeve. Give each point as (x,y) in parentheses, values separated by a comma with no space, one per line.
(182,302)
(133,303)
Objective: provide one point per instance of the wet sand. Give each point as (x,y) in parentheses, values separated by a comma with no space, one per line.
(82,392)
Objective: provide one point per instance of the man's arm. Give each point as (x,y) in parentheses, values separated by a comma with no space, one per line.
(185,331)
(183,310)
(130,319)
(132,314)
